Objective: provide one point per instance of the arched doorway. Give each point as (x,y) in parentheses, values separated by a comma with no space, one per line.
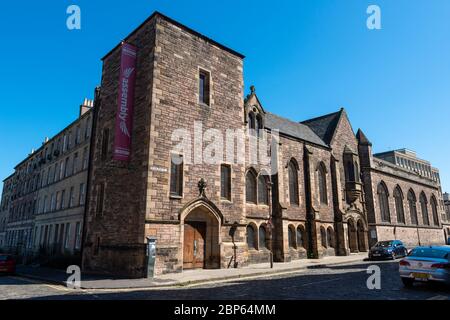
(201,236)
(362,236)
(352,236)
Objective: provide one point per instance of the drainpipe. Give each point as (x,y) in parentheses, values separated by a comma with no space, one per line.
(97,101)
(418,236)
(270,224)
(309,207)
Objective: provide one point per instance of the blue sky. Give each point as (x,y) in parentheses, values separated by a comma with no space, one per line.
(306,58)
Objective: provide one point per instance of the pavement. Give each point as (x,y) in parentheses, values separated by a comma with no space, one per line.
(186,278)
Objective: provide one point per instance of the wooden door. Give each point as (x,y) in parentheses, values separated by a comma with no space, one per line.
(194,245)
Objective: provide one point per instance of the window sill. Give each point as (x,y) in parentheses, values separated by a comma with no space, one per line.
(175,197)
(202,104)
(226,201)
(257,205)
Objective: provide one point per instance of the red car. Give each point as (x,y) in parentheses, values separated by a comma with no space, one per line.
(7,264)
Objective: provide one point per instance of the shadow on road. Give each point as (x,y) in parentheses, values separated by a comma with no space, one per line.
(324,284)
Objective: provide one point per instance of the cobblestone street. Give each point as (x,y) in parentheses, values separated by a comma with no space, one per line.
(343,282)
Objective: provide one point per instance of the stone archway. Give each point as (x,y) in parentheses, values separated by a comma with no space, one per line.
(362,236)
(352,236)
(200,222)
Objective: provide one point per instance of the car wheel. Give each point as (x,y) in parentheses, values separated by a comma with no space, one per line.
(407,282)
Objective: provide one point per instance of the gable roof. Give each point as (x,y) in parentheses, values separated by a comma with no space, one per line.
(325,126)
(293,129)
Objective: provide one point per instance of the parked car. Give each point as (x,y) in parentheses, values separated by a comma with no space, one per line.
(7,264)
(391,249)
(426,264)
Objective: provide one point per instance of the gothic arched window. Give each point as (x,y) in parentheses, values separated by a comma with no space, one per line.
(330,237)
(412,207)
(322,175)
(251,237)
(250,187)
(350,169)
(293,183)
(262,238)
(291,237)
(263,194)
(424,208)
(323,236)
(300,237)
(434,211)
(398,197)
(383,202)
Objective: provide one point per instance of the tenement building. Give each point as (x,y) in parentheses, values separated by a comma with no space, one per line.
(4,208)
(44,198)
(185,171)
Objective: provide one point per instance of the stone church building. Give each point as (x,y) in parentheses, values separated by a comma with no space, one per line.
(326,193)
(179,169)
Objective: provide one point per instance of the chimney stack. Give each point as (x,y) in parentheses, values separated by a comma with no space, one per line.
(86,106)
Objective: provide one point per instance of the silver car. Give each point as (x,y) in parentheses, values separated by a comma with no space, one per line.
(426,264)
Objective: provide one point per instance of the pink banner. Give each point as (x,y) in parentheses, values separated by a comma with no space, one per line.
(124,117)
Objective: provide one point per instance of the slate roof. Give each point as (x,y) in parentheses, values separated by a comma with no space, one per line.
(293,129)
(324,126)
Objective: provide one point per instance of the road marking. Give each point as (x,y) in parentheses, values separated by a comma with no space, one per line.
(438,298)
(317,282)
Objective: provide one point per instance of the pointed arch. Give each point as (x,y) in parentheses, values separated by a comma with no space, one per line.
(252,236)
(323,237)
(331,237)
(424,208)
(412,207)
(250,186)
(293,182)
(202,218)
(383,202)
(262,237)
(263,192)
(322,179)
(399,209)
(292,243)
(434,210)
(200,203)
(301,237)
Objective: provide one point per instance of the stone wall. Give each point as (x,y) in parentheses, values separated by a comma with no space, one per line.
(115,239)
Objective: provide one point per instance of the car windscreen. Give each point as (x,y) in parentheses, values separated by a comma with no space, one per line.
(429,253)
(384,244)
